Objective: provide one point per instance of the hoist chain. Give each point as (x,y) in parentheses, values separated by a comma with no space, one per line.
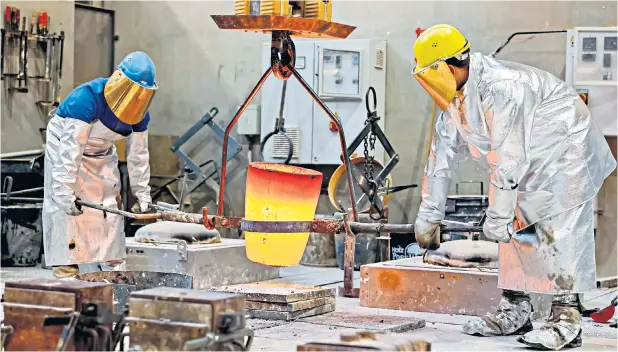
(369,145)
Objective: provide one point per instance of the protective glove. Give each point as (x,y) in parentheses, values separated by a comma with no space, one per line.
(142,207)
(498,229)
(427,233)
(74,209)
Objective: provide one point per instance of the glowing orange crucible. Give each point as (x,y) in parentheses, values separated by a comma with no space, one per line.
(277,192)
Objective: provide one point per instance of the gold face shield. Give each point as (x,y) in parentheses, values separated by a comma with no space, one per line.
(128,100)
(438,80)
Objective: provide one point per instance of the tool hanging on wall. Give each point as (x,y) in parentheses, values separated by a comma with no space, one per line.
(59,70)
(16,35)
(280,128)
(2,54)
(22,75)
(54,50)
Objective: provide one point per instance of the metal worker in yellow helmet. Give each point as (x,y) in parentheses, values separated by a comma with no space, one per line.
(546,160)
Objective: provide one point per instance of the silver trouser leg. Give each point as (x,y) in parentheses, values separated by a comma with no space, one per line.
(562,328)
(512,316)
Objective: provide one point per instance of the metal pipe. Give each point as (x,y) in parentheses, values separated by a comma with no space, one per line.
(120,212)
(226,138)
(24,153)
(361,227)
(48,58)
(67,333)
(280,123)
(181,199)
(25,34)
(24,199)
(174,216)
(6,330)
(523,33)
(342,142)
(2,55)
(59,73)
(318,225)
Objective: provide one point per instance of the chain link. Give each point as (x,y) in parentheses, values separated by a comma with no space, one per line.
(369,144)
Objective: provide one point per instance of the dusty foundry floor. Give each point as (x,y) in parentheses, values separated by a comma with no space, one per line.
(442,330)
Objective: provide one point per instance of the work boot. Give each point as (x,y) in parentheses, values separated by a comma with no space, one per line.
(66,272)
(511,318)
(562,329)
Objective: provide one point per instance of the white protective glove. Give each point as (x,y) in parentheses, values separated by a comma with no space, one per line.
(74,210)
(500,214)
(497,230)
(142,207)
(427,233)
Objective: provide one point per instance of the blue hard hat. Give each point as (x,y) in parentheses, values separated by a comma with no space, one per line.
(139,68)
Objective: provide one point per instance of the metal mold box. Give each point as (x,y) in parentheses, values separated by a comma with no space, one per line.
(166,318)
(410,284)
(210,265)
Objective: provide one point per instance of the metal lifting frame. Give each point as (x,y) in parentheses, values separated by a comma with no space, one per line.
(207,119)
(283,57)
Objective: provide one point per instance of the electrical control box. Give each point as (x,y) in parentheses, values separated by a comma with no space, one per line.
(340,72)
(591,68)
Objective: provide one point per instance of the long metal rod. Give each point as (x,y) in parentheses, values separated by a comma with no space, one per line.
(342,142)
(20,154)
(226,138)
(523,33)
(317,226)
(120,212)
(361,227)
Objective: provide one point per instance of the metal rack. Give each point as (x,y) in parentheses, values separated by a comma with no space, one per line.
(16,35)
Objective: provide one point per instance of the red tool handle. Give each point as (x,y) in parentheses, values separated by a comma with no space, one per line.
(43,19)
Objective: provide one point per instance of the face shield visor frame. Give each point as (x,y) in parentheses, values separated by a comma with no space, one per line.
(128,100)
(438,80)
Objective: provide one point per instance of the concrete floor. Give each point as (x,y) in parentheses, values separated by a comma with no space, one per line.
(442,330)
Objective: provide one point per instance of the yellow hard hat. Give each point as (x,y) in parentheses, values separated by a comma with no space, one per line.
(432,48)
(437,43)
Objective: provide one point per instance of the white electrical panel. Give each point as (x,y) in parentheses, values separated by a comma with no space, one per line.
(593,55)
(340,72)
(249,122)
(591,67)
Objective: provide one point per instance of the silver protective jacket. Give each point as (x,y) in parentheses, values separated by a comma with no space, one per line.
(81,162)
(535,137)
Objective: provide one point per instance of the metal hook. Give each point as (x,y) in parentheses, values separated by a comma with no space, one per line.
(371,113)
(213,112)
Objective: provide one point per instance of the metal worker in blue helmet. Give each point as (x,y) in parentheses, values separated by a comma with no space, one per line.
(81,162)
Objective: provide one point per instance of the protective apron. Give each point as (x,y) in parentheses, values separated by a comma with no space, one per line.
(81,161)
(546,161)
